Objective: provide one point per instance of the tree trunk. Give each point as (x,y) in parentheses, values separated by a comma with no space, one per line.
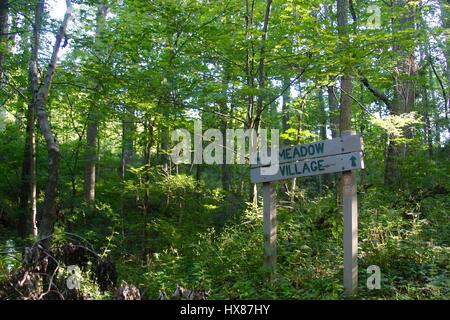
(404,95)
(345,123)
(286,107)
(445,20)
(323,179)
(149,140)
(249,62)
(226,174)
(165,133)
(40,97)
(346,79)
(261,86)
(3,33)
(286,104)
(128,130)
(249,66)
(261,74)
(28,189)
(333,107)
(426,108)
(323,116)
(92,127)
(333,111)
(91,157)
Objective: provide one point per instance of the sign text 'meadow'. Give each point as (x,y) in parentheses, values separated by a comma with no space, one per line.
(317,149)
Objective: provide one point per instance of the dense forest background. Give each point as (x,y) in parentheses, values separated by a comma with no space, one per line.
(88,101)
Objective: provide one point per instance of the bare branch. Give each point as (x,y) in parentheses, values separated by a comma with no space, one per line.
(376,92)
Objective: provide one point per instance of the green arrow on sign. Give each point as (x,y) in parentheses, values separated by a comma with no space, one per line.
(353,160)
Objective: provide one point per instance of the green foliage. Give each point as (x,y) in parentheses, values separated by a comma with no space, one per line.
(229,263)
(154,66)
(395,125)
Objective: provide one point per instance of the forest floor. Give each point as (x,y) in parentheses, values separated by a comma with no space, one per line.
(405,234)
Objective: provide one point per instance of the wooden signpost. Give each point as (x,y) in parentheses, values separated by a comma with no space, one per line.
(342,154)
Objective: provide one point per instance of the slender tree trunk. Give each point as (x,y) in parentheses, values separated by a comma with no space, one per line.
(91,157)
(30,145)
(261,74)
(28,189)
(346,86)
(426,109)
(333,108)
(434,111)
(3,33)
(428,131)
(346,79)
(249,62)
(165,132)
(323,179)
(226,174)
(90,173)
(249,67)
(198,172)
(74,168)
(428,139)
(49,208)
(286,103)
(323,116)
(149,140)
(128,130)
(261,86)
(445,20)
(333,111)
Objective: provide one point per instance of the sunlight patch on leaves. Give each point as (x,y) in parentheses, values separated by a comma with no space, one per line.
(396,125)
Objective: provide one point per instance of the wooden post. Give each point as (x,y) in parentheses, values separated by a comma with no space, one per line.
(342,154)
(270,226)
(350,204)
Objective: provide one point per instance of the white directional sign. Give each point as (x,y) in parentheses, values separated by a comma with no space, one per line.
(328,156)
(317,149)
(311,167)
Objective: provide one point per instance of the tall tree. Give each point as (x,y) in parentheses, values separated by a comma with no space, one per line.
(445,20)
(39,99)
(403,74)
(286,103)
(3,33)
(404,85)
(28,189)
(346,79)
(128,132)
(223,104)
(333,96)
(256,120)
(261,66)
(93,122)
(333,110)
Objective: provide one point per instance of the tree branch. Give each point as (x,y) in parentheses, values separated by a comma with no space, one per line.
(444,93)
(52,65)
(17,90)
(376,92)
(354,99)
